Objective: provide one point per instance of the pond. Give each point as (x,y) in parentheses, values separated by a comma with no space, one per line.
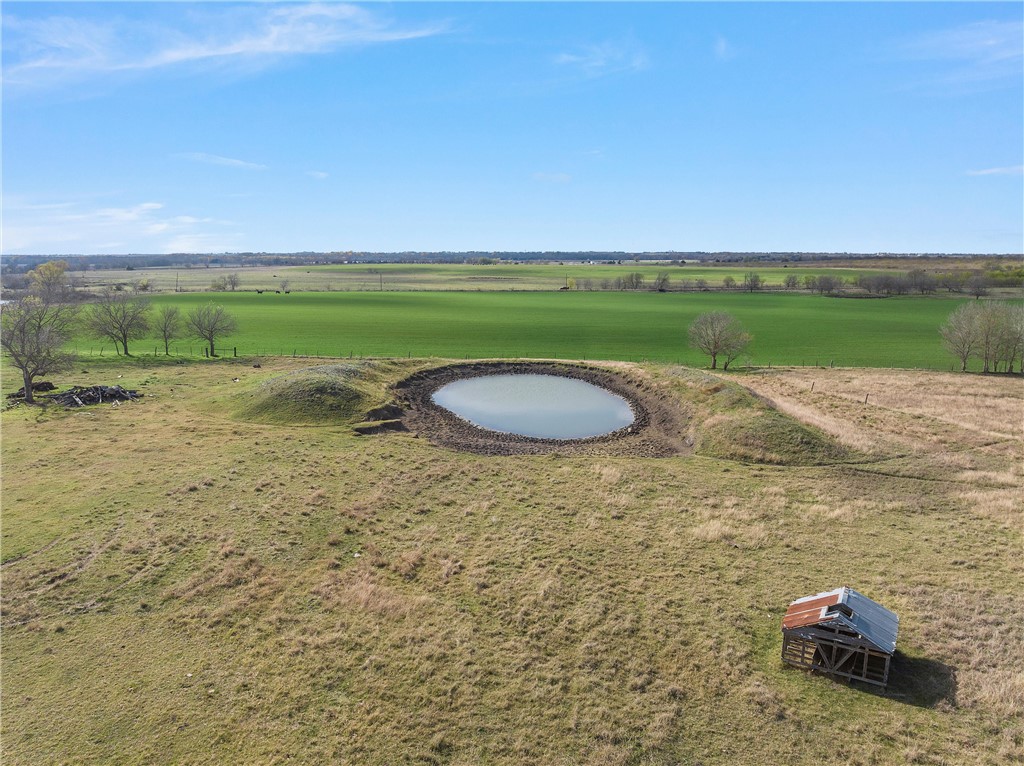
(539,406)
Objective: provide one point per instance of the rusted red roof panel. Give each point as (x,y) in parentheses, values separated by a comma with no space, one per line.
(810,610)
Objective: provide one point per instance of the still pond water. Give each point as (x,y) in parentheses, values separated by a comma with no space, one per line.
(541,406)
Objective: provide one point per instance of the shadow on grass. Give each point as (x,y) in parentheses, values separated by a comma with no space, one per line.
(919,681)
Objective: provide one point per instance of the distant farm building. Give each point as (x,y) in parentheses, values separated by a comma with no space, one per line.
(841,633)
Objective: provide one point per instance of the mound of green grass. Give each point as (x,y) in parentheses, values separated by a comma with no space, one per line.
(333,394)
(732,423)
(764,435)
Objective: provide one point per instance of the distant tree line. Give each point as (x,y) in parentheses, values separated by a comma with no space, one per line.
(1004,266)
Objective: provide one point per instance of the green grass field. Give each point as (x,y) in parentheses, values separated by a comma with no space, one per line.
(787,329)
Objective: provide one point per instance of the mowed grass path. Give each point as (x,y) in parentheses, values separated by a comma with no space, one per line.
(787,329)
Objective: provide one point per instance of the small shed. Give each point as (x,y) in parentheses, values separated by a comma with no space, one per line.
(841,633)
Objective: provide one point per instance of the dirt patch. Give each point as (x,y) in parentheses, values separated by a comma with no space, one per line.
(658,430)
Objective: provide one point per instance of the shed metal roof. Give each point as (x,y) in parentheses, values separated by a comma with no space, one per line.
(867,618)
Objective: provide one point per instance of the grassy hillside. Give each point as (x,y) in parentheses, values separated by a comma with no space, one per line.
(787,329)
(180,586)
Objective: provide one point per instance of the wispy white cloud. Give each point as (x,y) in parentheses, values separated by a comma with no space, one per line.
(982,54)
(73,227)
(317,174)
(724,51)
(552,178)
(605,58)
(67,48)
(1010,170)
(216,159)
(201,243)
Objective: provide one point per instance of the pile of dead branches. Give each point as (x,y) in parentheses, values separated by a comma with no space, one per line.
(78,396)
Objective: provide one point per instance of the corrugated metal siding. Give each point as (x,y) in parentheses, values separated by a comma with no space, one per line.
(872,620)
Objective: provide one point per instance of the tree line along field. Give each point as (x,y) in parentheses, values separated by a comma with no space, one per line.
(788,329)
(501,276)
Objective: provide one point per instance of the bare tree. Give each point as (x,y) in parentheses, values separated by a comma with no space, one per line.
(633,281)
(168,325)
(728,282)
(119,317)
(791,282)
(752,281)
(1008,336)
(1013,345)
(992,332)
(210,322)
(33,333)
(661,282)
(284,285)
(955,281)
(978,285)
(719,334)
(960,333)
(922,281)
(826,283)
(232,281)
(989,331)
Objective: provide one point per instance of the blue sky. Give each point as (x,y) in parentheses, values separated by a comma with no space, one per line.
(180,127)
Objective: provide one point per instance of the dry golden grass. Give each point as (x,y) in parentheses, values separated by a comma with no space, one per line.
(905,409)
(194,589)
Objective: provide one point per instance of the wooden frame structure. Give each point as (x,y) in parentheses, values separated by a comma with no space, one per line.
(840,633)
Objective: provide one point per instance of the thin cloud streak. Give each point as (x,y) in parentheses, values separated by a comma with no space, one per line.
(1010,170)
(605,59)
(60,48)
(983,53)
(216,159)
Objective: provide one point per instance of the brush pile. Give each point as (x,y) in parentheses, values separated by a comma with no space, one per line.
(80,397)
